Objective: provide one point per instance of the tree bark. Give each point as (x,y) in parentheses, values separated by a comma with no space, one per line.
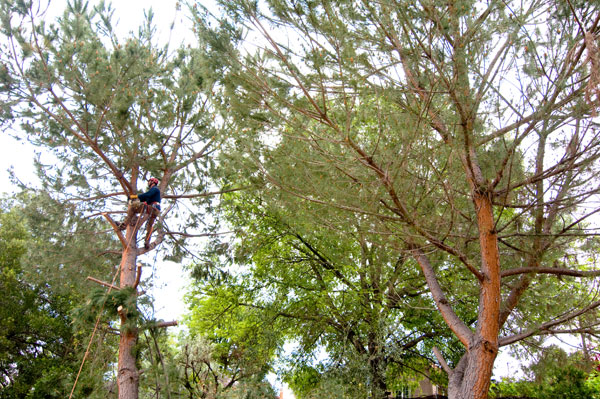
(471,377)
(128,374)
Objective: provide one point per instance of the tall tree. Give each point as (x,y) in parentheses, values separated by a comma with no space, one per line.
(113,111)
(461,130)
(34,323)
(230,349)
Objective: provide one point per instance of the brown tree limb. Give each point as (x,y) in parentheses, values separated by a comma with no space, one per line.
(324,261)
(164,324)
(95,280)
(159,239)
(550,270)
(440,358)
(122,314)
(207,194)
(546,326)
(187,235)
(102,196)
(439,244)
(138,275)
(412,343)
(116,229)
(460,329)
(194,157)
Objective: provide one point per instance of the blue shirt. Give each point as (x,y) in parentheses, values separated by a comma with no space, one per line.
(151,196)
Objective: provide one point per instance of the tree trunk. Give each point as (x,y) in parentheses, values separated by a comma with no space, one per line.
(378,383)
(471,377)
(128,374)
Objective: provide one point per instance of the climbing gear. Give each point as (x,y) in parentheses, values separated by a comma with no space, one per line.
(153,181)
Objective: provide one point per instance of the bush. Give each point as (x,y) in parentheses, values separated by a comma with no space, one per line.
(561,383)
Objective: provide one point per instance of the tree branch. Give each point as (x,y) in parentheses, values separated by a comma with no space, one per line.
(187,235)
(102,196)
(95,280)
(462,331)
(440,358)
(546,326)
(116,229)
(207,194)
(550,270)
(138,275)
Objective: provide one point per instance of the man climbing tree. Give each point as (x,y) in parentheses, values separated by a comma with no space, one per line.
(152,196)
(108,108)
(151,208)
(152,200)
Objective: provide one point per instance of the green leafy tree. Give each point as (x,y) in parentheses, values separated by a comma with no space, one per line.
(343,293)
(113,112)
(554,374)
(460,131)
(40,350)
(229,350)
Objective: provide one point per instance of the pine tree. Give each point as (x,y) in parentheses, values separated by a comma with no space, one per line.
(461,130)
(113,112)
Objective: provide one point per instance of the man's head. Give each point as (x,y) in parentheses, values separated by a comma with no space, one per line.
(153,181)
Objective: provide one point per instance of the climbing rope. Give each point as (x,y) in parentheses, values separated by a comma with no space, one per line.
(87,350)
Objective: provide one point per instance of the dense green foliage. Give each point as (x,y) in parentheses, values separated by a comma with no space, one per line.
(109,112)
(453,134)
(555,375)
(112,111)
(35,335)
(333,294)
(40,351)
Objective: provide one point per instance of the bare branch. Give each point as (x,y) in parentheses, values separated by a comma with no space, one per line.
(462,331)
(97,197)
(163,324)
(138,275)
(187,235)
(122,314)
(95,280)
(546,326)
(116,229)
(550,270)
(207,194)
(440,358)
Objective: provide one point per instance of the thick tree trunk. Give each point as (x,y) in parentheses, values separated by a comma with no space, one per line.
(379,386)
(128,374)
(471,377)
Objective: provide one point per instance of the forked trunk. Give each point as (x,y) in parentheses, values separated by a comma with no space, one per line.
(471,377)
